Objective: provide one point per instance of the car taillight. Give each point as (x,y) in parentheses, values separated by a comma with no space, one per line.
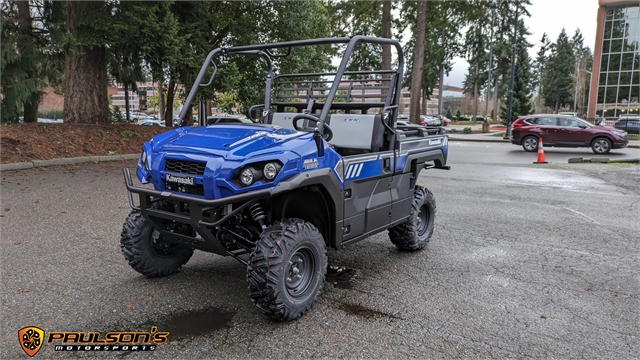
(518,123)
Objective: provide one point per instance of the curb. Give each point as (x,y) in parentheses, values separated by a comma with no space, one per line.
(66,161)
(603,161)
(479,140)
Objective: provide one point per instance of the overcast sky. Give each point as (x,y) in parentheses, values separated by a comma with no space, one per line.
(548,16)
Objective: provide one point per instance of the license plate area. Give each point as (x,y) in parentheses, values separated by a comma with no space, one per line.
(179,179)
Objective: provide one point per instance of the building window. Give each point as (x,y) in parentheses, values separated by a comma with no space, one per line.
(619,78)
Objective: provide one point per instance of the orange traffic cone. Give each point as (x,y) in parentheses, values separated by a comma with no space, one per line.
(540,154)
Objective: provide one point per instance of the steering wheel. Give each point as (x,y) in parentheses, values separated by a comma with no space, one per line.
(327,134)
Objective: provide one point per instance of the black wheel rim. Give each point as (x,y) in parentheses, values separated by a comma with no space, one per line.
(423,220)
(160,247)
(299,272)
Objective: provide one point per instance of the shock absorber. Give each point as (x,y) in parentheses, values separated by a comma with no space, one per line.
(258,214)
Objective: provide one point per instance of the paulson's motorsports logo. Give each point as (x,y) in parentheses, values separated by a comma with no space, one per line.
(32,339)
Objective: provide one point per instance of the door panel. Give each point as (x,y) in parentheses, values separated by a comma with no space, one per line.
(367,200)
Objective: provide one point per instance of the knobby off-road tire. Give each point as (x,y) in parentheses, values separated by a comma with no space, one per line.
(144,249)
(286,270)
(414,234)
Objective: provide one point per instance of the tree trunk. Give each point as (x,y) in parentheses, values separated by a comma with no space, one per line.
(418,63)
(555,111)
(160,100)
(386,33)
(495,99)
(475,93)
(424,101)
(27,53)
(31,107)
(168,115)
(85,91)
(207,108)
(126,102)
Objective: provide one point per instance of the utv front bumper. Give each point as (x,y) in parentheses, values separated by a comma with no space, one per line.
(197,212)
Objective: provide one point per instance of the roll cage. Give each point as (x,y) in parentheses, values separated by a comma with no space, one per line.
(305,93)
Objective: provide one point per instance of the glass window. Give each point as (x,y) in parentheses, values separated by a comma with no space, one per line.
(570,122)
(614,62)
(612,93)
(628,45)
(607,29)
(635,78)
(603,78)
(616,46)
(636,62)
(632,12)
(635,93)
(606,46)
(547,121)
(604,61)
(618,13)
(627,62)
(618,29)
(625,78)
(601,91)
(609,14)
(612,78)
(623,94)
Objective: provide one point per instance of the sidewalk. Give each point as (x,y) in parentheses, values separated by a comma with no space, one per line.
(492,136)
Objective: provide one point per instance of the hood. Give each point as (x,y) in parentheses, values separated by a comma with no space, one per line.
(223,140)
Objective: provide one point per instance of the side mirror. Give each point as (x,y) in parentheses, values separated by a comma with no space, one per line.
(582,126)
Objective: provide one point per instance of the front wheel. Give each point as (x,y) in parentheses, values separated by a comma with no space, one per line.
(601,146)
(287,268)
(145,249)
(414,234)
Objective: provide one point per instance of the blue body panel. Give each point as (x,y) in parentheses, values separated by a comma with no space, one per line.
(228,148)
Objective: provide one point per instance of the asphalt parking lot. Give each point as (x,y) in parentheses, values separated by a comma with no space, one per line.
(525,261)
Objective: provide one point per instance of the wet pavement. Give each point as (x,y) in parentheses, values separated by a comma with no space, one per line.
(525,261)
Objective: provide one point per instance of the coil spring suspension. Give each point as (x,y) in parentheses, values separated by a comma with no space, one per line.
(258,214)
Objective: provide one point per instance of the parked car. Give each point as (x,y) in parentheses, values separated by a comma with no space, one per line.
(227,119)
(430,120)
(630,124)
(443,120)
(151,122)
(565,131)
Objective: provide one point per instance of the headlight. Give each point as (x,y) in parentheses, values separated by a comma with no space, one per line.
(620,133)
(144,161)
(248,176)
(271,170)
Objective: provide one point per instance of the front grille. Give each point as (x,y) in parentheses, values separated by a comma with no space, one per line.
(183,188)
(185,167)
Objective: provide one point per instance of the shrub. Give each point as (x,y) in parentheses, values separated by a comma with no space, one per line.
(467,130)
(130,133)
(51,114)
(453,130)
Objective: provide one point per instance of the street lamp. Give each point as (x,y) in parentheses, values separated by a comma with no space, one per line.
(575,97)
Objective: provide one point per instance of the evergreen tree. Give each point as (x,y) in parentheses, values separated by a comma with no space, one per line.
(583,58)
(522,88)
(557,80)
(538,71)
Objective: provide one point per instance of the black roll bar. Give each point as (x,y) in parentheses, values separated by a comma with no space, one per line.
(265,50)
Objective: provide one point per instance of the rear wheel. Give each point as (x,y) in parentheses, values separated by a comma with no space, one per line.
(145,249)
(601,145)
(287,268)
(530,143)
(414,234)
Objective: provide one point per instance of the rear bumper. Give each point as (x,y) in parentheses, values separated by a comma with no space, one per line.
(516,141)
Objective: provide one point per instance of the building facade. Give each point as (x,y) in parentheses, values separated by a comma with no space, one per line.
(615,80)
(137,99)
